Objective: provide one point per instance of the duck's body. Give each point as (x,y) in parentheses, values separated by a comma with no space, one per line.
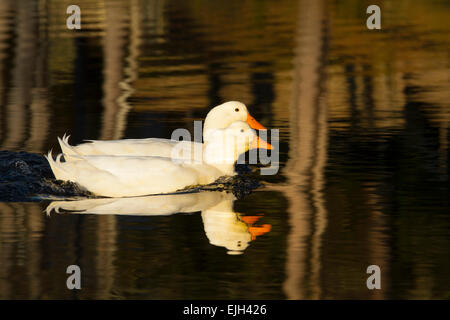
(219,117)
(155,147)
(126,176)
(123,176)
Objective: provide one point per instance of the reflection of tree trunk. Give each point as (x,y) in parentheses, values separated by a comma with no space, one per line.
(29,85)
(35,229)
(7,229)
(377,241)
(6,15)
(377,94)
(117,89)
(318,183)
(106,248)
(119,78)
(113,53)
(21,229)
(131,71)
(25,53)
(307,156)
(40,122)
(114,45)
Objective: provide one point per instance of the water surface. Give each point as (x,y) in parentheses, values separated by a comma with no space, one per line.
(363,118)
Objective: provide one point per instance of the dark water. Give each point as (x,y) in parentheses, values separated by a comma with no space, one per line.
(363,118)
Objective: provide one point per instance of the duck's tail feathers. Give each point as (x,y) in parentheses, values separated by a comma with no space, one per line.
(56,165)
(66,148)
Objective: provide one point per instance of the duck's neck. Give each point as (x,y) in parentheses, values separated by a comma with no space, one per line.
(213,121)
(220,157)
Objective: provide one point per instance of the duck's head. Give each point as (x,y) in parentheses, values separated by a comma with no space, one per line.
(226,145)
(245,137)
(223,115)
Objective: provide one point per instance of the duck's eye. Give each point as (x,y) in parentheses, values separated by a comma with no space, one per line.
(237,109)
(242,130)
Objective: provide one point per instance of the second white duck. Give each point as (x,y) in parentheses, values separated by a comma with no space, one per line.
(219,117)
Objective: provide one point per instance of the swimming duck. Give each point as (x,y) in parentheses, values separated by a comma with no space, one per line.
(219,117)
(123,176)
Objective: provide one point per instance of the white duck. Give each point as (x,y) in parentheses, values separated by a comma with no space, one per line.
(123,176)
(219,117)
(223,226)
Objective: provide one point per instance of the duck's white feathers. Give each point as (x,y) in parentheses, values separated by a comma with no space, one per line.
(147,205)
(122,176)
(134,147)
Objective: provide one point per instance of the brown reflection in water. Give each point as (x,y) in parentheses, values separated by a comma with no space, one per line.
(21,95)
(365,90)
(21,230)
(40,115)
(378,249)
(307,160)
(131,72)
(307,156)
(25,53)
(26,105)
(176,81)
(6,8)
(117,20)
(106,251)
(116,89)
(118,86)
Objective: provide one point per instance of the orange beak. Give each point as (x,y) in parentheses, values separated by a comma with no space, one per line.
(254,124)
(260,144)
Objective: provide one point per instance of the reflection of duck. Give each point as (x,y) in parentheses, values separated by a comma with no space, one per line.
(119,176)
(219,117)
(223,226)
(228,229)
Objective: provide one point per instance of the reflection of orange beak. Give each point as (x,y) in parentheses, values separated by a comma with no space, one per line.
(259,230)
(250,219)
(256,230)
(254,124)
(260,144)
